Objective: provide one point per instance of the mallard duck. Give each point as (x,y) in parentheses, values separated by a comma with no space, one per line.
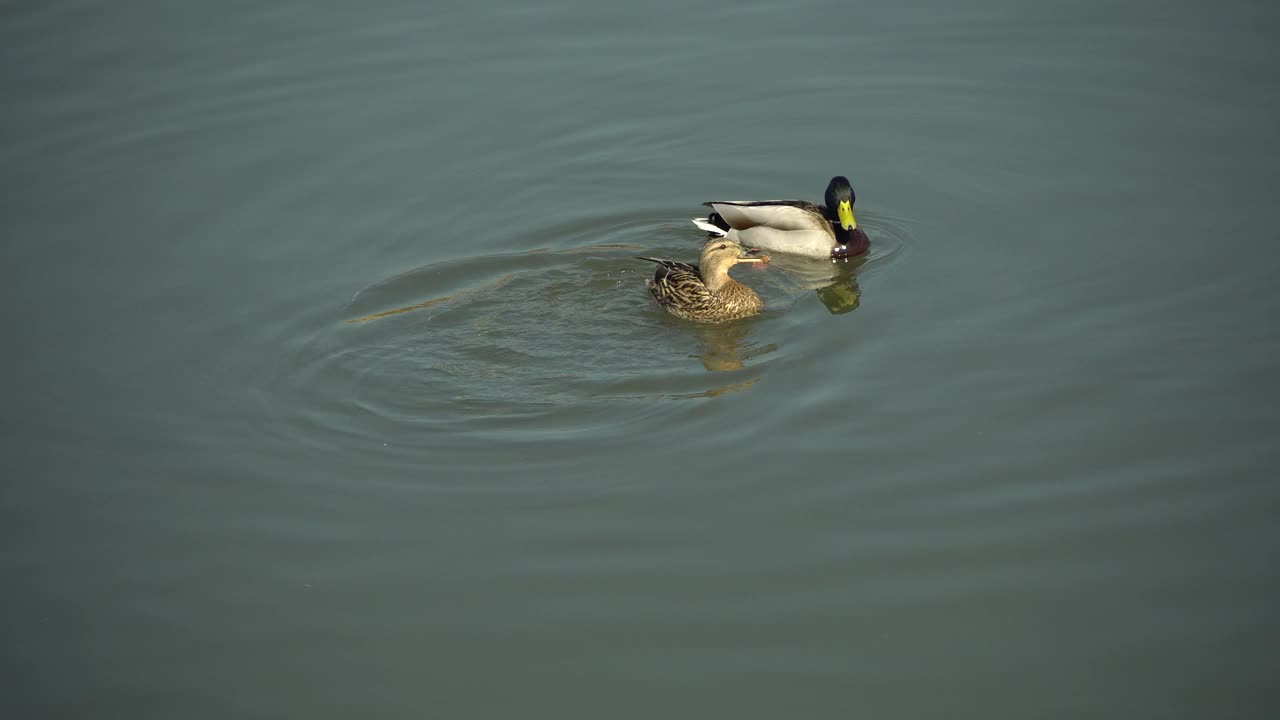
(705,291)
(793,226)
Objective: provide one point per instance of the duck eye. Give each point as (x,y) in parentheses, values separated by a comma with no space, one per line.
(723,247)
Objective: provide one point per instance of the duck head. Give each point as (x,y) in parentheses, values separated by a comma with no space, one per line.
(720,254)
(840,199)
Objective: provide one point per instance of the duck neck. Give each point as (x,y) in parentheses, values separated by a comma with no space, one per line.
(716,279)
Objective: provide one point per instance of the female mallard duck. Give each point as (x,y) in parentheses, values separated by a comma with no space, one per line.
(705,291)
(793,226)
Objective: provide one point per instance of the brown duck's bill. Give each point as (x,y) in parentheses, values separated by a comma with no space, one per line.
(752,255)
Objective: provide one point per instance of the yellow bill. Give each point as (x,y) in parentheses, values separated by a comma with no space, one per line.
(845,212)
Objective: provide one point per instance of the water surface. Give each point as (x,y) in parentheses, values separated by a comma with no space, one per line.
(1019,463)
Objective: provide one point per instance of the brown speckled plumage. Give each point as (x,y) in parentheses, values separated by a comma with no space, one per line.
(705,291)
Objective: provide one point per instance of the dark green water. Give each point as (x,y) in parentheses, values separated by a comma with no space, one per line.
(1020,464)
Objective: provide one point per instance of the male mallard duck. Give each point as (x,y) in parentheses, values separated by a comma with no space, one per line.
(705,291)
(793,226)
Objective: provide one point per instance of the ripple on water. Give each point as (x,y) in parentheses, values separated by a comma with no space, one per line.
(541,345)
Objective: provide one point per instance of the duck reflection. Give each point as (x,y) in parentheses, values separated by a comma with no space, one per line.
(725,346)
(843,294)
(836,284)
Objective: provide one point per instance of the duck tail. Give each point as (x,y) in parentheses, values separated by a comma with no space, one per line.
(709,227)
(652,260)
